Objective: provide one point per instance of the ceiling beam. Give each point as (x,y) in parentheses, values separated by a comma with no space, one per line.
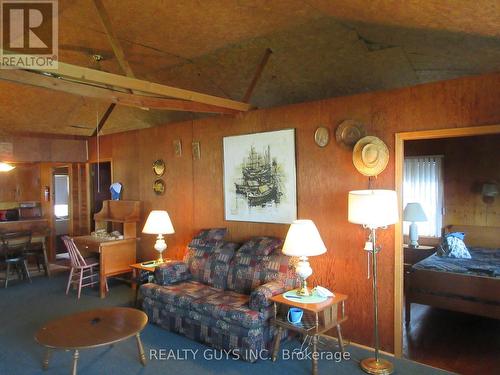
(103,119)
(103,93)
(258,73)
(116,80)
(113,39)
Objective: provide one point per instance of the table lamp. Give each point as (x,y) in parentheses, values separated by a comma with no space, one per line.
(303,240)
(415,213)
(374,209)
(159,223)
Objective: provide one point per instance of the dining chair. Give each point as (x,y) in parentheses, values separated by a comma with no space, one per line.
(82,269)
(37,250)
(13,248)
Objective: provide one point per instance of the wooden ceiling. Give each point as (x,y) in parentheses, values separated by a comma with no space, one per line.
(321,48)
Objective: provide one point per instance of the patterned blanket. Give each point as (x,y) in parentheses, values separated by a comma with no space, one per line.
(484,262)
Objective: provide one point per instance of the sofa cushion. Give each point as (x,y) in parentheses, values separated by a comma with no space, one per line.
(208,239)
(231,307)
(211,267)
(260,246)
(247,272)
(172,272)
(181,295)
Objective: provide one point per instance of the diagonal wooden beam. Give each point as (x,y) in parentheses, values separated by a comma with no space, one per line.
(102,93)
(115,80)
(113,39)
(103,119)
(258,73)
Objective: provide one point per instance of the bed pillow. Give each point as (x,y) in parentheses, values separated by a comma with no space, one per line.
(453,246)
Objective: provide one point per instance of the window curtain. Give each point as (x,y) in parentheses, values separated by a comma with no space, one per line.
(423,183)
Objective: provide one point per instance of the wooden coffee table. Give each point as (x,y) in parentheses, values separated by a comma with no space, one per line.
(91,329)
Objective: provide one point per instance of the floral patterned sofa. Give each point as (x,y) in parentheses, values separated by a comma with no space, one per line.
(219,294)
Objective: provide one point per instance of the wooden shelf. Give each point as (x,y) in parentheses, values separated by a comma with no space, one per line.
(120,211)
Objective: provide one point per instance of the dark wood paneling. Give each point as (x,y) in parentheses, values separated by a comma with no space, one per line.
(324,176)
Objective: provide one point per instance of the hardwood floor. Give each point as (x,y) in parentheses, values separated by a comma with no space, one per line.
(453,341)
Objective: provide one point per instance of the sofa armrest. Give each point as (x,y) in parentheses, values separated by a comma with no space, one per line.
(260,296)
(171,273)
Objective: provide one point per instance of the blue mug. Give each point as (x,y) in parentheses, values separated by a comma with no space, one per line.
(295,315)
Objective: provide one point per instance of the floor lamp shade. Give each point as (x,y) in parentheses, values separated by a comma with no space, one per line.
(373,208)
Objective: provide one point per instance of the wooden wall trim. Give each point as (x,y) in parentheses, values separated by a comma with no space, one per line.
(400,138)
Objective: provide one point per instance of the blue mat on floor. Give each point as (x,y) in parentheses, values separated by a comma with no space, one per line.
(25,307)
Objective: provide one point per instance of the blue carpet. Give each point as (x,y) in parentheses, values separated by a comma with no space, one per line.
(25,307)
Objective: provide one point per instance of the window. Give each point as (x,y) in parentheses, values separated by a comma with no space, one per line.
(61,192)
(423,183)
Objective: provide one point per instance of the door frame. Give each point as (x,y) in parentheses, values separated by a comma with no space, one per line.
(89,183)
(398,234)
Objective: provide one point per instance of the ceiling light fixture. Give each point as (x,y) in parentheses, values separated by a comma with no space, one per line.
(5,167)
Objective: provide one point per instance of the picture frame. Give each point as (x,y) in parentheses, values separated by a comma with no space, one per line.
(260,183)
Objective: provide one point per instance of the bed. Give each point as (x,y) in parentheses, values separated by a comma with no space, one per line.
(467,285)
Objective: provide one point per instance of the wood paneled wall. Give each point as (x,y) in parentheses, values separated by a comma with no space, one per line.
(45,148)
(20,184)
(468,163)
(194,196)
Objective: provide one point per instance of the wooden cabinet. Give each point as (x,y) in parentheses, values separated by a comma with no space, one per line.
(115,256)
(21,184)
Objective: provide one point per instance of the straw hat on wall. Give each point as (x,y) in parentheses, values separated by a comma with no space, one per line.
(370,156)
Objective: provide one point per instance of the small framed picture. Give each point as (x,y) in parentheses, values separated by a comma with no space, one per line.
(196,151)
(177,148)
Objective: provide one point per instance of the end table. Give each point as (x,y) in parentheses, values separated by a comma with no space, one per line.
(137,271)
(317,319)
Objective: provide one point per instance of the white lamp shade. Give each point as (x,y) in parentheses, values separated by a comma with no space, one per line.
(303,239)
(414,212)
(5,167)
(158,222)
(373,208)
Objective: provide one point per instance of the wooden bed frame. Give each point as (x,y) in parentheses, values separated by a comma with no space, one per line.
(453,291)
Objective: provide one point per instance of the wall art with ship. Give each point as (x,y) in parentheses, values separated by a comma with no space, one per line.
(260,177)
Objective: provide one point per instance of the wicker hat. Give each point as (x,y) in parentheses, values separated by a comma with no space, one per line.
(370,156)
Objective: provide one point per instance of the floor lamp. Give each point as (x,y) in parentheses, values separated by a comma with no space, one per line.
(374,209)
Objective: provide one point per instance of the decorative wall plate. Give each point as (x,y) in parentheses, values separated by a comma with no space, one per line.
(159,167)
(322,136)
(159,186)
(349,132)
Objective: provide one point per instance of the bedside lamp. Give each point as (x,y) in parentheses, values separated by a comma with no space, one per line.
(415,213)
(159,223)
(374,209)
(303,240)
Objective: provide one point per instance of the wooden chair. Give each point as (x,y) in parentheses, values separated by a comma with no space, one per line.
(13,248)
(82,268)
(37,251)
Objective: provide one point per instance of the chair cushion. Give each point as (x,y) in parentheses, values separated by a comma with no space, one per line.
(180,295)
(231,307)
(260,246)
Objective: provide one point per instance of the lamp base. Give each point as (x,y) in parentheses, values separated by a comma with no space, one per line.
(303,290)
(377,367)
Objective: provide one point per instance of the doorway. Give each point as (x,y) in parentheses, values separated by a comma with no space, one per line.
(402,141)
(61,206)
(100,181)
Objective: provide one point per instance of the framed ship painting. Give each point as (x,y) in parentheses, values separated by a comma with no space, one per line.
(260,177)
